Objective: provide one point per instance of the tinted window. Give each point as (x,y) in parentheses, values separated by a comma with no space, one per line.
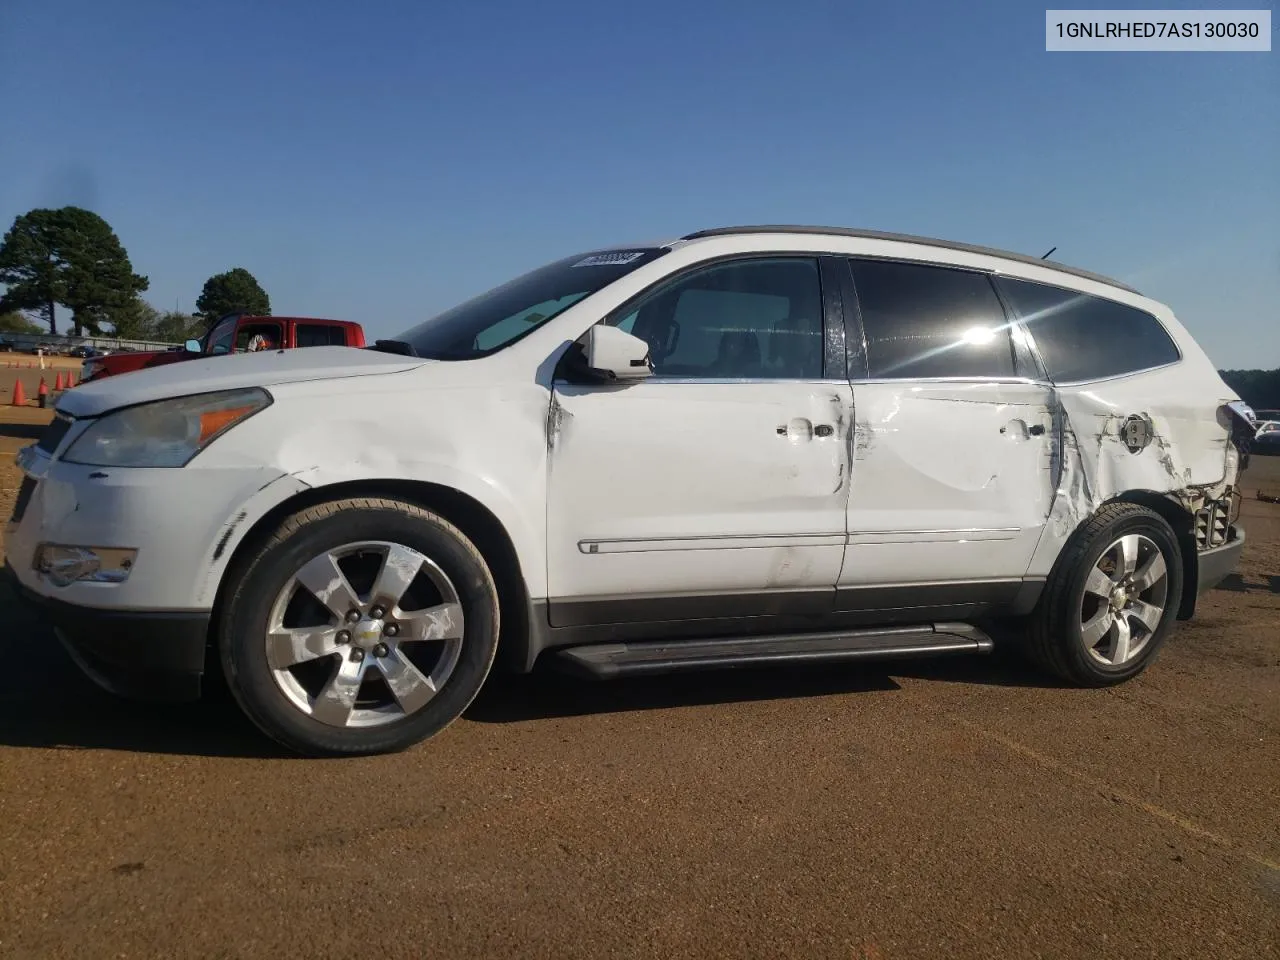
(495,319)
(1088,338)
(751,318)
(319,335)
(925,321)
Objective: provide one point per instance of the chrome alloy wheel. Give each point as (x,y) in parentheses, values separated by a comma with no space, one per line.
(1124,601)
(365,634)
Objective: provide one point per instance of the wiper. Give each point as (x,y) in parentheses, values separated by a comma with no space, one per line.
(394,346)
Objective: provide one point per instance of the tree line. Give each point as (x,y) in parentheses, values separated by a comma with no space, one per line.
(71,257)
(1260,389)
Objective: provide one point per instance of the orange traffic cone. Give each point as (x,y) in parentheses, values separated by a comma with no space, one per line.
(43,389)
(71,380)
(59,383)
(19,395)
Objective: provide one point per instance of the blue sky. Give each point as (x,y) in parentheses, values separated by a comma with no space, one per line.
(380,161)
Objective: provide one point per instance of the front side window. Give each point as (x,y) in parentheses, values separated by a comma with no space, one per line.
(222,336)
(746,319)
(498,318)
(923,321)
(1081,337)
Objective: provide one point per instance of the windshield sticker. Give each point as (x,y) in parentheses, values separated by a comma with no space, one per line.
(609,259)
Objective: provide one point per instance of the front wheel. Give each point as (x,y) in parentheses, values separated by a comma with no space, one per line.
(1111,599)
(362,626)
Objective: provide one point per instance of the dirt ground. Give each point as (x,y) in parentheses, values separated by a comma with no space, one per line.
(25,367)
(933,809)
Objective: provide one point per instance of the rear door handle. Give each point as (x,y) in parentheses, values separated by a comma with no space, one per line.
(803,429)
(1036,429)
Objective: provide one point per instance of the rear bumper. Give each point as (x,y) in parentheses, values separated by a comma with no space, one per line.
(1215,565)
(136,654)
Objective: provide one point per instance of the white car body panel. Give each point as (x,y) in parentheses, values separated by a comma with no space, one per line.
(230,372)
(670,487)
(949,482)
(487,442)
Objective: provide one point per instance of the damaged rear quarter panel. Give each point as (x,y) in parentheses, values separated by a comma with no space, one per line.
(1157,431)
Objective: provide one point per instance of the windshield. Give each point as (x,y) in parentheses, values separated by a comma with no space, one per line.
(496,319)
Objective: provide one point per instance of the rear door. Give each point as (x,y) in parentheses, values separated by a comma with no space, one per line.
(952,479)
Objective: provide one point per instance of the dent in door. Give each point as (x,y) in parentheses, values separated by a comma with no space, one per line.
(932,445)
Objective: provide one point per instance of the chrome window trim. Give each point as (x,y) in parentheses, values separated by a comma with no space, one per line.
(1119,376)
(1024,381)
(920,241)
(825,381)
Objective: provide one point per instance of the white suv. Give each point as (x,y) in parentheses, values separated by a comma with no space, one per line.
(746,446)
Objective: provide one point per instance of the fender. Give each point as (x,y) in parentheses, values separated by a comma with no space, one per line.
(483,490)
(288,486)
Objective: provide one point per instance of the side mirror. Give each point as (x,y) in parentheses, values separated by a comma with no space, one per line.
(191,346)
(613,355)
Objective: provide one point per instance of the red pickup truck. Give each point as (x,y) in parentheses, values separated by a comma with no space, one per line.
(235,333)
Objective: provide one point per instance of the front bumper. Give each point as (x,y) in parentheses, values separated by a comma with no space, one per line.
(1216,564)
(132,653)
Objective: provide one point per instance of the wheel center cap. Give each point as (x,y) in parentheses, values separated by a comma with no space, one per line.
(367,632)
(1119,597)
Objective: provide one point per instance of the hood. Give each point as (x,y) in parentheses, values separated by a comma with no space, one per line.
(231,372)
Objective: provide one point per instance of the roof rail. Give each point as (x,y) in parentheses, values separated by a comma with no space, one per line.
(908,238)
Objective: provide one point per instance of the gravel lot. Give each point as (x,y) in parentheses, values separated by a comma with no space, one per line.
(933,809)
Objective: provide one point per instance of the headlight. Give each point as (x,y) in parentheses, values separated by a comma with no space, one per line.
(167,433)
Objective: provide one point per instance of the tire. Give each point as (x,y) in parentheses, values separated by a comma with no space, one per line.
(377,684)
(1072,608)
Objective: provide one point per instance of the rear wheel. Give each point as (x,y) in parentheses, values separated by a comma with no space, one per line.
(362,626)
(1111,599)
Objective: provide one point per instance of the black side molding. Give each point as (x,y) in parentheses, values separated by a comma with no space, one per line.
(605,661)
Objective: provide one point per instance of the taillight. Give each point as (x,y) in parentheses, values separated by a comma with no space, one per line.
(1244,425)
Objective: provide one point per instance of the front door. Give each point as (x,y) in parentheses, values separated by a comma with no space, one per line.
(717,487)
(953,476)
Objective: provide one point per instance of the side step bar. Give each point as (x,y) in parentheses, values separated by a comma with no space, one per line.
(606,661)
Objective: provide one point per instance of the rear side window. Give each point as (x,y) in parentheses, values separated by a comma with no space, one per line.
(927,321)
(258,336)
(320,335)
(1088,338)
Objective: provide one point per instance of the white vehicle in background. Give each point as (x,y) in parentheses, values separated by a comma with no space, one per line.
(746,446)
(1267,426)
